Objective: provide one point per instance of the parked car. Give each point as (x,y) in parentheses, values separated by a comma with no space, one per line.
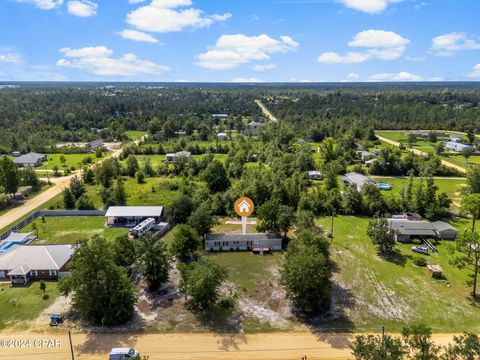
(124,353)
(420,249)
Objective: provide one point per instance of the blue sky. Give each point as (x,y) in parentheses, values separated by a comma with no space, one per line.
(240,40)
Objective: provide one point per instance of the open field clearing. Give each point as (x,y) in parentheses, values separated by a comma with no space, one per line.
(370,291)
(70,229)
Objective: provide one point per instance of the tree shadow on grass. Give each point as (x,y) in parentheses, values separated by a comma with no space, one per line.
(226,324)
(396,257)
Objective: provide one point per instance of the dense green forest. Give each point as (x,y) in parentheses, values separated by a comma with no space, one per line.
(36,116)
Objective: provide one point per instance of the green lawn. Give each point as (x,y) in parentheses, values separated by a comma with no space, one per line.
(371,291)
(451,187)
(246,270)
(421,144)
(134,135)
(69,230)
(28,305)
(75,160)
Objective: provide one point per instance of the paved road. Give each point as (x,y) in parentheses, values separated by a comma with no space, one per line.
(31,204)
(266,112)
(421,153)
(278,346)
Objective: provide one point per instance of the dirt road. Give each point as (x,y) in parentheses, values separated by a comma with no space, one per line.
(421,153)
(266,112)
(31,204)
(278,346)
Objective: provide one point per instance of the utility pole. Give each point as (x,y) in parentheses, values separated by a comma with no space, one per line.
(71,346)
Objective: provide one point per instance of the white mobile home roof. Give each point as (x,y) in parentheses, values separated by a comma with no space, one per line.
(134,211)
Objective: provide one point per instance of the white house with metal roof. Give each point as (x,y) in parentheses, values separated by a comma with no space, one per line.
(22,263)
(130,216)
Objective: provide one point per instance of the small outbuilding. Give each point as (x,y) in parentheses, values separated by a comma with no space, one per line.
(435,271)
(130,216)
(315,175)
(445,231)
(222,136)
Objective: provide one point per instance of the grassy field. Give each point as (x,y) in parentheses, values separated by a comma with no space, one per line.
(75,160)
(28,305)
(69,230)
(421,144)
(134,135)
(451,187)
(246,270)
(370,291)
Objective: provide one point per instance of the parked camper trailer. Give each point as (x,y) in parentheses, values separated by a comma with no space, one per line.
(143,227)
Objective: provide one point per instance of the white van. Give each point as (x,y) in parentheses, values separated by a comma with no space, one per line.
(124,353)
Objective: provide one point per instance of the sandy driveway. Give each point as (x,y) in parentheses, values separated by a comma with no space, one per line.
(266,112)
(276,346)
(421,153)
(31,204)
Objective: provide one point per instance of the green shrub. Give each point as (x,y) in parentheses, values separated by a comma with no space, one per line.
(417,242)
(228,303)
(420,261)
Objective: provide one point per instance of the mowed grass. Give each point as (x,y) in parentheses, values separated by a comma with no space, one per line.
(75,160)
(135,135)
(452,187)
(371,291)
(27,304)
(246,270)
(69,229)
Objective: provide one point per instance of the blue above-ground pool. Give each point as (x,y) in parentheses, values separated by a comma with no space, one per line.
(384,186)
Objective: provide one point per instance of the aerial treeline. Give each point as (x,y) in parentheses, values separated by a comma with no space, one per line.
(34,118)
(327,112)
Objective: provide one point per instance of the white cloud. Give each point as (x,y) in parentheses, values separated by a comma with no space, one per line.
(383,45)
(135,1)
(162,16)
(82,8)
(368,6)
(475,73)
(137,36)
(353,77)
(263,67)
(415,58)
(246,80)
(98,60)
(9,57)
(448,44)
(43,4)
(401,76)
(231,51)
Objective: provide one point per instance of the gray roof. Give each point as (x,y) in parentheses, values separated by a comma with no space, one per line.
(134,211)
(356,179)
(30,158)
(442,226)
(23,258)
(255,123)
(241,237)
(412,227)
(314,172)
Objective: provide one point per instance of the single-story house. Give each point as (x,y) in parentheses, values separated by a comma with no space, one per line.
(222,136)
(92,145)
(30,160)
(22,263)
(180,133)
(253,128)
(130,216)
(422,134)
(315,175)
(407,229)
(248,242)
(445,231)
(356,180)
(223,116)
(172,157)
(456,146)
